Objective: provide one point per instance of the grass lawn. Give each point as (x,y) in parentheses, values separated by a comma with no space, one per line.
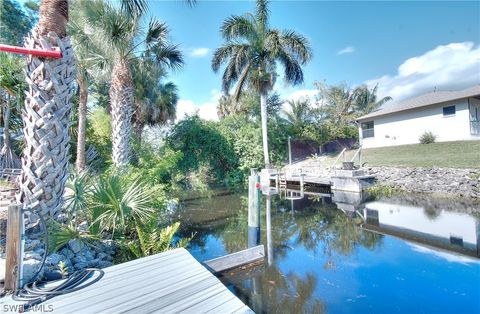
(465,154)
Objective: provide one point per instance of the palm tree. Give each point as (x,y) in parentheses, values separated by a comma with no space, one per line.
(47,112)
(120,37)
(251,52)
(83,47)
(366,99)
(12,85)
(299,114)
(155,102)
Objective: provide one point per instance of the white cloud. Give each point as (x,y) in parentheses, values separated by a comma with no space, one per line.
(446,67)
(448,256)
(346,50)
(199,52)
(207,110)
(302,94)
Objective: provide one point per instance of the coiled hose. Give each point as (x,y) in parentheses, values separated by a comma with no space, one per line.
(35,292)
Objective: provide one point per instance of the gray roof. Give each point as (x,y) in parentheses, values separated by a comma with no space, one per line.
(424,100)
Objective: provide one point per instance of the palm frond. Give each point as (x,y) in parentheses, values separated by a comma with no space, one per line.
(296,45)
(292,69)
(134,8)
(166,55)
(237,27)
(262,13)
(156,32)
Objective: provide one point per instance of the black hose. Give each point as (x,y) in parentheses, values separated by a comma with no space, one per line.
(45,253)
(35,292)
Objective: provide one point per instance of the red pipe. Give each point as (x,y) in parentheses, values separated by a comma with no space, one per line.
(55,54)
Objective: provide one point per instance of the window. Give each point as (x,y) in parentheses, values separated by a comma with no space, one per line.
(448,111)
(367,129)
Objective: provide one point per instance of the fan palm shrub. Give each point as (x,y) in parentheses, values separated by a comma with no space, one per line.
(77,195)
(251,52)
(118,203)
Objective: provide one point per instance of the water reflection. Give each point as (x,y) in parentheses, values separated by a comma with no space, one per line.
(342,254)
(455,232)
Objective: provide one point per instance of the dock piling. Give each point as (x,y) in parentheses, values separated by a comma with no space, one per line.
(253,209)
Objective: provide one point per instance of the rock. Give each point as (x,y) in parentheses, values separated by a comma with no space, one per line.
(103,264)
(33,255)
(83,227)
(79,259)
(93,263)
(81,265)
(31,245)
(75,245)
(103,256)
(30,267)
(67,253)
(88,255)
(443,181)
(54,259)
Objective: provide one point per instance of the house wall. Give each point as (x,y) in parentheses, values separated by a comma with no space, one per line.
(407,127)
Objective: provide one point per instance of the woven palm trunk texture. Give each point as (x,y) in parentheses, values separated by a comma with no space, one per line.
(121,98)
(46,119)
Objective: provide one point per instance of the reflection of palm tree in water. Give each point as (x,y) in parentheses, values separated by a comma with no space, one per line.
(269,290)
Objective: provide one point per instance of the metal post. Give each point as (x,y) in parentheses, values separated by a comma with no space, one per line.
(289,151)
(253,209)
(302,182)
(360,157)
(269,231)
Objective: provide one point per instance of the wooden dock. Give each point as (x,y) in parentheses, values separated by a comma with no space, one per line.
(169,282)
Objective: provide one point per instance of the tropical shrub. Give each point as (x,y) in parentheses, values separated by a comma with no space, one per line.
(118,203)
(152,240)
(202,145)
(77,192)
(60,234)
(427,138)
(99,134)
(157,168)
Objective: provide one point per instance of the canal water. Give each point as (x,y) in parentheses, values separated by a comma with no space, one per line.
(337,255)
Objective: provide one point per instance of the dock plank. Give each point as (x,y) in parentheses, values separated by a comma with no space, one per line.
(170,282)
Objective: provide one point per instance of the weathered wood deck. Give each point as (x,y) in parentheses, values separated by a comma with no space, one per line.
(170,282)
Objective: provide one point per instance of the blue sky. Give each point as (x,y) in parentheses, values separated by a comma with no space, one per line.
(353,42)
(407,47)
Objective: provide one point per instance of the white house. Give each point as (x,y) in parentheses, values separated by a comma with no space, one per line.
(450,115)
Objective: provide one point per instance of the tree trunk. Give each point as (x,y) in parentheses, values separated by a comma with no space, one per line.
(8,158)
(139,132)
(6,127)
(263,108)
(121,97)
(82,122)
(46,116)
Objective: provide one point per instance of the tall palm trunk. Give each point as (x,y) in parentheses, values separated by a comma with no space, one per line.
(46,115)
(121,97)
(8,158)
(82,121)
(263,109)
(139,132)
